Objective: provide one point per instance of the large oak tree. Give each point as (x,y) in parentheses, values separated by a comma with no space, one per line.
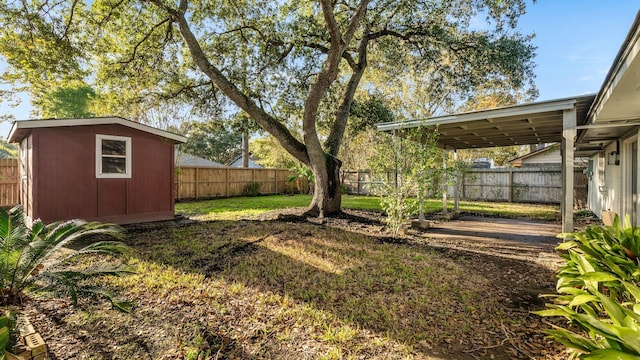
(288,64)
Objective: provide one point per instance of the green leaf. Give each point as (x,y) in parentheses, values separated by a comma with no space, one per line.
(572,340)
(610,354)
(632,289)
(566,245)
(615,311)
(550,312)
(598,276)
(4,339)
(582,299)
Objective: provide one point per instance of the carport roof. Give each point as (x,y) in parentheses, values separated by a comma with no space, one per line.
(533,123)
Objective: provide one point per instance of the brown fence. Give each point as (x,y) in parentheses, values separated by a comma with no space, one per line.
(203,183)
(9,194)
(537,185)
(528,185)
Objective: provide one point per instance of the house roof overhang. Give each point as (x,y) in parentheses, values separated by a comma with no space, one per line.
(21,129)
(615,111)
(533,123)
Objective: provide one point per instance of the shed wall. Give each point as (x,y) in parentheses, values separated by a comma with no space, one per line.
(65,184)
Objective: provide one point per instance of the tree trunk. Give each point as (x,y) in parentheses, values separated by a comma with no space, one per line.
(326,196)
(245,148)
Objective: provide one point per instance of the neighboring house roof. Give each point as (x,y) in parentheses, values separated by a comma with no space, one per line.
(237,162)
(20,129)
(545,155)
(188,160)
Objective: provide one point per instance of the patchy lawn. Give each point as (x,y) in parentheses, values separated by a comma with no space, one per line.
(290,289)
(239,207)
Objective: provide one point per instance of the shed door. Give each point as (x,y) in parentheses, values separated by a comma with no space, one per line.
(112,197)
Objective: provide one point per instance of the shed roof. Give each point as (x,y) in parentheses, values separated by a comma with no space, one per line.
(20,129)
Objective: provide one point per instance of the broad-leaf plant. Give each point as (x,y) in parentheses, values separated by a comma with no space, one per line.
(598,292)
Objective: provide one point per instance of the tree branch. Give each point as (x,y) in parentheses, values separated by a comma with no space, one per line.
(266,121)
(333,142)
(144,38)
(68,25)
(324,49)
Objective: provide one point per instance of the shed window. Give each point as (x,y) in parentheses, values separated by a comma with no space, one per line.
(113,156)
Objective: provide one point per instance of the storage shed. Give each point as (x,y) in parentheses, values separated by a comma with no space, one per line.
(107,169)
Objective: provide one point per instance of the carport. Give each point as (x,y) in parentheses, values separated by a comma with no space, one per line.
(534,123)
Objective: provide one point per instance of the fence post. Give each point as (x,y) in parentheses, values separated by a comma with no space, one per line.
(197,183)
(510,181)
(178,171)
(226,186)
(358,186)
(253,175)
(464,180)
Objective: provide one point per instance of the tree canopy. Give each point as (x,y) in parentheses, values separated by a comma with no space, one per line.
(293,66)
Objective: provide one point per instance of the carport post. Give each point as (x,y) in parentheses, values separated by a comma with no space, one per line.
(569,133)
(456,197)
(444,190)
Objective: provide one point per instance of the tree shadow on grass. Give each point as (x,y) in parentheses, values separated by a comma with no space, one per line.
(434,302)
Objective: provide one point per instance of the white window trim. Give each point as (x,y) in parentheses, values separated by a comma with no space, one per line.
(99,174)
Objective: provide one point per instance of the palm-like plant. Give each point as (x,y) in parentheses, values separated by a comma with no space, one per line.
(27,264)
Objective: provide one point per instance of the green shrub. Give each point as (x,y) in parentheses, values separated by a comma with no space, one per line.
(5,334)
(598,293)
(251,189)
(28,266)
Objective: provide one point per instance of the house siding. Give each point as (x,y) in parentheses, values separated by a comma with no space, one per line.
(607,190)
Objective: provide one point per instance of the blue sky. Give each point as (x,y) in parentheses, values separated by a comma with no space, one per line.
(577,41)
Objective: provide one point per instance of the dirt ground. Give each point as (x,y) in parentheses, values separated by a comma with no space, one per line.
(517,255)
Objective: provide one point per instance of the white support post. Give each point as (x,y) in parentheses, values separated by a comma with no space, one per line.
(569,133)
(444,185)
(456,197)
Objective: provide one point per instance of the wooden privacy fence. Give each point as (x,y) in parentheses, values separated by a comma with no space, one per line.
(9,195)
(202,183)
(529,185)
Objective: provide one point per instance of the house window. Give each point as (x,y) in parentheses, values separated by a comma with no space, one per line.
(113,156)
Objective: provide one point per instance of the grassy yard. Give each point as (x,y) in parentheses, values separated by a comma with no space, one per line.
(237,207)
(279,290)
(248,289)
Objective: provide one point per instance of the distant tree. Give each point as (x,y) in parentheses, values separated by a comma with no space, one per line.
(270,154)
(362,140)
(65,102)
(211,140)
(8,150)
